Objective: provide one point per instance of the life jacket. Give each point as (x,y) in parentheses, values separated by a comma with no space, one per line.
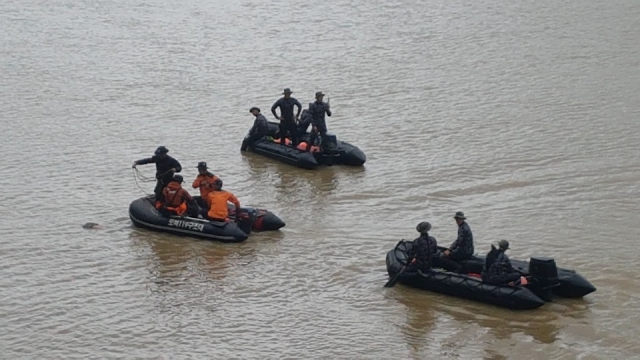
(303,146)
(204,189)
(286,141)
(175,198)
(218,208)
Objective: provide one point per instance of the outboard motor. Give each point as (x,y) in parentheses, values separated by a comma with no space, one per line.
(545,273)
(246,220)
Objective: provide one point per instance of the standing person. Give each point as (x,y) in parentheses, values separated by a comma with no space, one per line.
(318,110)
(462,248)
(166,166)
(287,120)
(258,131)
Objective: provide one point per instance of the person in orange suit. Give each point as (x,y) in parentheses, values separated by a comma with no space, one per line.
(217,200)
(176,198)
(204,180)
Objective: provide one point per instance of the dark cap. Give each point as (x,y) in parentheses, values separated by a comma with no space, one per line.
(503,244)
(202,165)
(319,93)
(254,108)
(423,227)
(217,182)
(460,215)
(287,91)
(178,178)
(161,150)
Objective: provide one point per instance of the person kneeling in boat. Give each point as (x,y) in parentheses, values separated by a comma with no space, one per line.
(203,181)
(423,253)
(258,131)
(462,248)
(217,199)
(498,269)
(176,200)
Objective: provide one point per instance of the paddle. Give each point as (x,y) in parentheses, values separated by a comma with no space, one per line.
(395,278)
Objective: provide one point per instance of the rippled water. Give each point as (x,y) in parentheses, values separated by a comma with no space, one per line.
(524,115)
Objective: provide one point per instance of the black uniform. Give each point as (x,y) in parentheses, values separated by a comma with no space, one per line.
(425,250)
(289,123)
(257,132)
(498,269)
(317,110)
(163,175)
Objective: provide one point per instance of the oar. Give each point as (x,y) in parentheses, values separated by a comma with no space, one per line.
(395,278)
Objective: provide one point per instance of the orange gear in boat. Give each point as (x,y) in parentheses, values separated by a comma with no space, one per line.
(175,198)
(303,146)
(204,183)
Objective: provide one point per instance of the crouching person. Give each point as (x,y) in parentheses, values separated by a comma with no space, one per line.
(176,200)
(498,269)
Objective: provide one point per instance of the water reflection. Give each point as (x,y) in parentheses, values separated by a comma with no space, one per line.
(543,325)
(176,261)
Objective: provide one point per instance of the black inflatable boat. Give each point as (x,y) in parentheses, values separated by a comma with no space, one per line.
(335,153)
(264,220)
(548,281)
(144,214)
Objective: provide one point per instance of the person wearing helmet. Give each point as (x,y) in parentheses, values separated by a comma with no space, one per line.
(423,249)
(217,200)
(462,248)
(423,254)
(166,166)
(317,110)
(176,198)
(204,180)
(258,131)
(498,269)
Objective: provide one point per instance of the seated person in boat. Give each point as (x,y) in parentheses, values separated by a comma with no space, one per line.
(423,249)
(304,122)
(175,198)
(318,109)
(258,131)
(497,267)
(204,180)
(462,248)
(217,200)
(423,253)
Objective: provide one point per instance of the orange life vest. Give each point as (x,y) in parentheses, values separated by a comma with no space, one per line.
(175,198)
(303,146)
(279,141)
(204,183)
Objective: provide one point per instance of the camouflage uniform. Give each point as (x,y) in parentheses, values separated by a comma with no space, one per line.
(462,248)
(499,271)
(317,111)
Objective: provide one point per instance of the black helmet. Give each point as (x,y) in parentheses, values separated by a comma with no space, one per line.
(254,108)
(161,150)
(423,227)
(178,178)
(202,165)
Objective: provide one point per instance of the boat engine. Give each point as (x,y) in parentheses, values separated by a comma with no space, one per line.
(545,272)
